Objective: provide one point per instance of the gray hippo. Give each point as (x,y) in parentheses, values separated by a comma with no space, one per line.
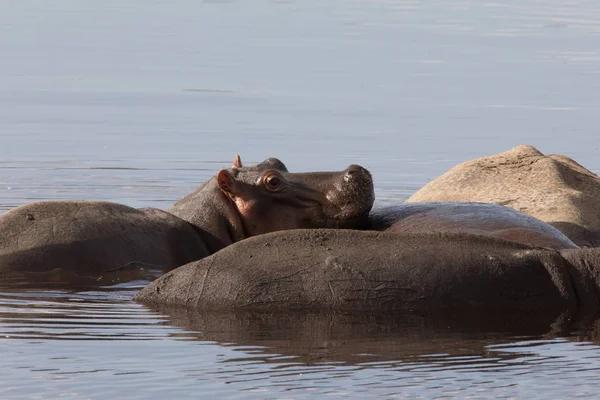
(553,188)
(364,270)
(95,238)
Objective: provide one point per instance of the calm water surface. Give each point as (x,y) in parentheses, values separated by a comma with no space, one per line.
(140,103)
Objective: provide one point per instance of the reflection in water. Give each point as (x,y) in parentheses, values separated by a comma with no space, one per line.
(355,338)
(99,342)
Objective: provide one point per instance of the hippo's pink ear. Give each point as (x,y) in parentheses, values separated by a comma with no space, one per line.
(226,182)
(237,163)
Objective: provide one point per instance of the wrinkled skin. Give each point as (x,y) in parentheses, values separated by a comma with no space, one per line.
(95,238)
(554,189)
(361,270)
(476,218)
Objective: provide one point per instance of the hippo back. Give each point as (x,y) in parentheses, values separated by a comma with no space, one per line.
(554,189)
(476,218)
(94,237)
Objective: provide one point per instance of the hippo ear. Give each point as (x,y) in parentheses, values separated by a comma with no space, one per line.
(226,181)
(237,163)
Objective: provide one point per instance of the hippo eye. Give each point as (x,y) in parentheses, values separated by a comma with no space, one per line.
(273,182)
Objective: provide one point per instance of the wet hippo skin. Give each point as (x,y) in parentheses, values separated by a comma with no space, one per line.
(342,269)
(476,218)
(94,237)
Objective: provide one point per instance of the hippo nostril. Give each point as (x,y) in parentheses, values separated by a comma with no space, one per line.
(353,170)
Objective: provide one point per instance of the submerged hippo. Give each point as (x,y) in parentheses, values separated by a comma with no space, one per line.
(553,188)
(93,238)
(342,269)
(476,218)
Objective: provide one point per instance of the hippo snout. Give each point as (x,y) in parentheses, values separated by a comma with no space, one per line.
(354,172)
(357,182)
(352,196)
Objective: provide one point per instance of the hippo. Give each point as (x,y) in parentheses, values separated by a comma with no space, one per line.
(96,238)
(248,201)
(367,270)
(56,239)
(553,188)
(477,218)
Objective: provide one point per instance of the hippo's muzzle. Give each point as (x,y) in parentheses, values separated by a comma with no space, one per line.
(351,195)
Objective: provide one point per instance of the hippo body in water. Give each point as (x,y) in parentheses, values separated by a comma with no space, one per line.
(422,256)
(475,218)
(354,270)
(553,188)
(93,238)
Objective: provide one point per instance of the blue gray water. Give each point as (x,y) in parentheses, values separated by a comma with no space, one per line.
(140,103)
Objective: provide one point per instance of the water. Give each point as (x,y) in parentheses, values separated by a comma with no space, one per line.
(140,103)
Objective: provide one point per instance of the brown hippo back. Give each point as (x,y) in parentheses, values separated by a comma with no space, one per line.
(353,270)
(554,189)
(476,218)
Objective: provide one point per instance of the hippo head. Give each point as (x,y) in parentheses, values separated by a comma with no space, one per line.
(269,198)
(240,202)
